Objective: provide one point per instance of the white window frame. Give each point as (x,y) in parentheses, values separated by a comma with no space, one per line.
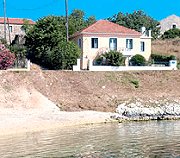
(10,28)
(116,42)
(93,46)
(129,43)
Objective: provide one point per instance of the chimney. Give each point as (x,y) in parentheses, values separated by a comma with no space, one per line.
(143,30)
(149,34)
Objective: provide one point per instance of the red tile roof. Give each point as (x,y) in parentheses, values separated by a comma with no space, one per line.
(17,21)
(107,27)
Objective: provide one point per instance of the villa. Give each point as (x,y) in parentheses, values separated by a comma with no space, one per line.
(13,28)
(103,36)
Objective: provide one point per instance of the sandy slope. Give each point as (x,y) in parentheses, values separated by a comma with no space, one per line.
(24,109)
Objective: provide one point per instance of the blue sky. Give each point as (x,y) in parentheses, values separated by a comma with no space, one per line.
(101,9)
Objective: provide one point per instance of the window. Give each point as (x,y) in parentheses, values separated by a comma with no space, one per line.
(174,26)
(113,43)
(80,43)
(129,43)
(142,46)
(10,28)
(94,42)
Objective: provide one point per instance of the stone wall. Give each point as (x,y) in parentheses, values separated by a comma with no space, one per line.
(10,35)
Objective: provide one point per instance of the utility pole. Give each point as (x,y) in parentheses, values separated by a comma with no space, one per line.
(67,23)
(4,5)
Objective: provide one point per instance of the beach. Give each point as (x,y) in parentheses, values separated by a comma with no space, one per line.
(20,121)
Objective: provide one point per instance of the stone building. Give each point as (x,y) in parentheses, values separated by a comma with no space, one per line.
(169,22)
(13,28)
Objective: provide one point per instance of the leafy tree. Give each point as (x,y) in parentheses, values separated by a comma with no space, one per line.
(112,58)
(46,44)
(64,56)
(138,60)
(78,22)
(90,20)
(6,58)
(172,33)
(136,20)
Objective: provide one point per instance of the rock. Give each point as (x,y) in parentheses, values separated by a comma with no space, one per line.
(137,111)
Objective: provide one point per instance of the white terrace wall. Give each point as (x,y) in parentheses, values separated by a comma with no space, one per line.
(173,66)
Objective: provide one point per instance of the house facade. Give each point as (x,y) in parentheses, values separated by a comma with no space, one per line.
(13,28)
(103,36)
(169,22)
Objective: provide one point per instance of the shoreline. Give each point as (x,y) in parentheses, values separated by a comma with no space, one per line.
(15,122)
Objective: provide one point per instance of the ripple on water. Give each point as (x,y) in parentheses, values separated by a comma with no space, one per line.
(133,139)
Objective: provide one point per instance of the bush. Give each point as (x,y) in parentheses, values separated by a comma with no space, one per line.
(138,60)
(64,56)
(172,33)
(6,58)
(162,58)
(112,58)
(135,83)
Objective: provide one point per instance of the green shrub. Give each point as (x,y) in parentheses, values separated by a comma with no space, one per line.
(162,58)
(138,60)
(172,33)
(135,83)
(112,58)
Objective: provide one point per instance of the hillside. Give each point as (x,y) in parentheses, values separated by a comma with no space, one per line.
(167,47)
(75,91)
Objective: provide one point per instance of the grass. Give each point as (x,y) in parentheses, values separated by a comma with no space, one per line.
(135,83)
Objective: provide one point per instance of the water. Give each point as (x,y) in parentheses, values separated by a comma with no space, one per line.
(154,139)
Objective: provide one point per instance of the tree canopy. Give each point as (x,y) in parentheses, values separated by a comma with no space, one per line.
(46,44)
(172,33)
(136,20)
(77,21)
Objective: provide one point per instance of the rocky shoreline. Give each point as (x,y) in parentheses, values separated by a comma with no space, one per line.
(150,110)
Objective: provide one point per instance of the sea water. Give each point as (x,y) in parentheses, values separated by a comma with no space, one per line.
(154,139)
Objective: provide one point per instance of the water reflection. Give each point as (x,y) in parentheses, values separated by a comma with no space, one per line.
(154,139)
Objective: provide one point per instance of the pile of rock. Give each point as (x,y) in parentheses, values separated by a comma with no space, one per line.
(153,110)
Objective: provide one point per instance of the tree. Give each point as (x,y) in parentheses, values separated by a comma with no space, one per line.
(64,56)
(136,20)
(46,43)
(90,20)
(172,33)
(138,60)
(6,58)
(78,22)
(112,58)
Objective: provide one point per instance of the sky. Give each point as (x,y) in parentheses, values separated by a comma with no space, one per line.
(101,9)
